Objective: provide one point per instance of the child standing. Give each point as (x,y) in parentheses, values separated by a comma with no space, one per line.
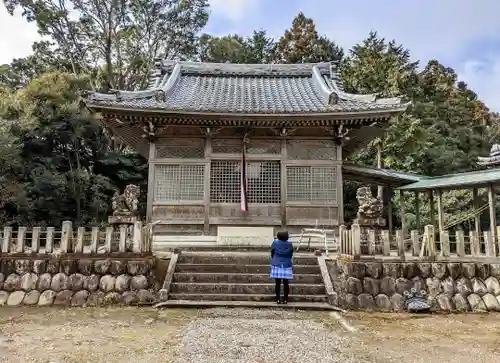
(281,265)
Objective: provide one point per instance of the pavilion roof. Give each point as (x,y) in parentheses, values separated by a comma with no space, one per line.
(245,89)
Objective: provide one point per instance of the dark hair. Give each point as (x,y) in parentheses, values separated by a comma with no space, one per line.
(283,236)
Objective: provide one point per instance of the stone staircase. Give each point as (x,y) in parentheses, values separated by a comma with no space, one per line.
(242,279)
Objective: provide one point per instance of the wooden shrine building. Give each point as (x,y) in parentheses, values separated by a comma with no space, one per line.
(296,123)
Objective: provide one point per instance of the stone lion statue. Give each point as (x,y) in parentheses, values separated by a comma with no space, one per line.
(126,204)
(368,206)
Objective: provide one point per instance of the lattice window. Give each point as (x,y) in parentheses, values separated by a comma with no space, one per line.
(263,178)
(311,184)
(182,149)
(227,146)
(225,182)
(264,147)
(311,150)
(179,183)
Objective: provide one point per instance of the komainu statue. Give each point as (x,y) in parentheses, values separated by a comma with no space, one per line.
(369,207)
(126,204)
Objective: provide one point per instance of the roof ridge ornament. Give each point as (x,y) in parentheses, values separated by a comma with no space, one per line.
(493,160)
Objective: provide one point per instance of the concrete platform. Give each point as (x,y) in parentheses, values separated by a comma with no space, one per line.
(244,304)
(268,298)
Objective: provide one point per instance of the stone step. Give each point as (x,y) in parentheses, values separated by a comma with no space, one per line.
(245,304)
(246,297)
(222,258)
(241,278)
(231,288)
(246,269)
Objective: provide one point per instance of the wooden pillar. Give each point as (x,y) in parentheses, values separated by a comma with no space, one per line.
(493,216)
(283,184)
(417,211)
(476,206)
(151,182)
(432,211)
(206,184)
(440,211)
(380,188)
(404,225)
(389,213)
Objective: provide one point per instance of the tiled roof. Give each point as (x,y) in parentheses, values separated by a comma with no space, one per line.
(245,89)
(480,178)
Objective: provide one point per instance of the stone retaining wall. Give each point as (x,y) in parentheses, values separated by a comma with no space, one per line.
(451,286)
(76,282)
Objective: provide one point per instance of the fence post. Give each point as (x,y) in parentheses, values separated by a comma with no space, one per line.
(7,234)
(371,242)
(415,242)
(342,240)
(49,239)
(400,243)
(459,236)
(474,243)
(498,240)
(356,240)
(386,242)
(444,240)
(123,238)
(35,239)
(430,241)
(66,236)
(94,240)
(109,239)
(21,235)
(79,240)
(488,244)
(137,245)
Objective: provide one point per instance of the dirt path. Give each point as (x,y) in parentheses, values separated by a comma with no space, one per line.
(170,336)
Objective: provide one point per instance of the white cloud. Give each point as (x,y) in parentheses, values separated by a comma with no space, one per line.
(233,10)
(485,74)
(16,36)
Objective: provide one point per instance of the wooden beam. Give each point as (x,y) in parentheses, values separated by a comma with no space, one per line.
(380,189)
(389,213)
(283,188)
(151,182)
(404,227)
(340,186)
(417,210)
(476,206)
(440,211)
(493,216)
(432,210)
(206,185)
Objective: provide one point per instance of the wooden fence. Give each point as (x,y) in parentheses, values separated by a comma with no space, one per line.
(357,241)
(136,239)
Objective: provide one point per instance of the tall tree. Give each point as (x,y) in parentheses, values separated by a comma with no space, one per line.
(302,44)
(124,36)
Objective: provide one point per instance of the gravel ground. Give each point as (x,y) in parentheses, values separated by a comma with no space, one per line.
(240,336)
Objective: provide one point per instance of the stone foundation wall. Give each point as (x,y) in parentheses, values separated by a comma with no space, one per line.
(449,286)
(76,282)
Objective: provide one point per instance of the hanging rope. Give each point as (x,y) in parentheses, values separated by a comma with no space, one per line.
(467,217)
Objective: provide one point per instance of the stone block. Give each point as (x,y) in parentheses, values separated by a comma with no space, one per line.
(351,302)
(495,270)
(491,302)
(445,302)
(139,267)
(366,302)
(4,295)
(492,285)
(91,283)
(393,269)
(410,270)
(454,270)
(31,297)
(122,283)
(371,286)
(117,267)
(111,298)
(425,269)
(434,286)
(439,270)
(44,282)
(75,282)
(23,266)
(461,303)
(69,267)
(397,302)
(476,303)
(63,298)
(16,298)
(469,270)
(2,279)
(463,286)
(59,282)
(355,269)
(39,266)
(80,298)
(138,282)
(85,267)
(374,270)
(383,302)
(101,267)
(354,286)
(482,270)
(418,283)
(145,296)
(448,286)
(403,285)
(28,281)
(478,286)
(12,282)
(52,266)
(130,298)
(107,283)
(47,298)
(387,285)
(96,298)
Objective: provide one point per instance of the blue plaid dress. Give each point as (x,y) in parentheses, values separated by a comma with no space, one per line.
(285,273)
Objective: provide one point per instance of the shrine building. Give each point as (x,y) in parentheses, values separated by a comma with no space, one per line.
(290,126)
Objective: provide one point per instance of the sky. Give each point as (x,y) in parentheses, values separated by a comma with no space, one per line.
(458,33)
